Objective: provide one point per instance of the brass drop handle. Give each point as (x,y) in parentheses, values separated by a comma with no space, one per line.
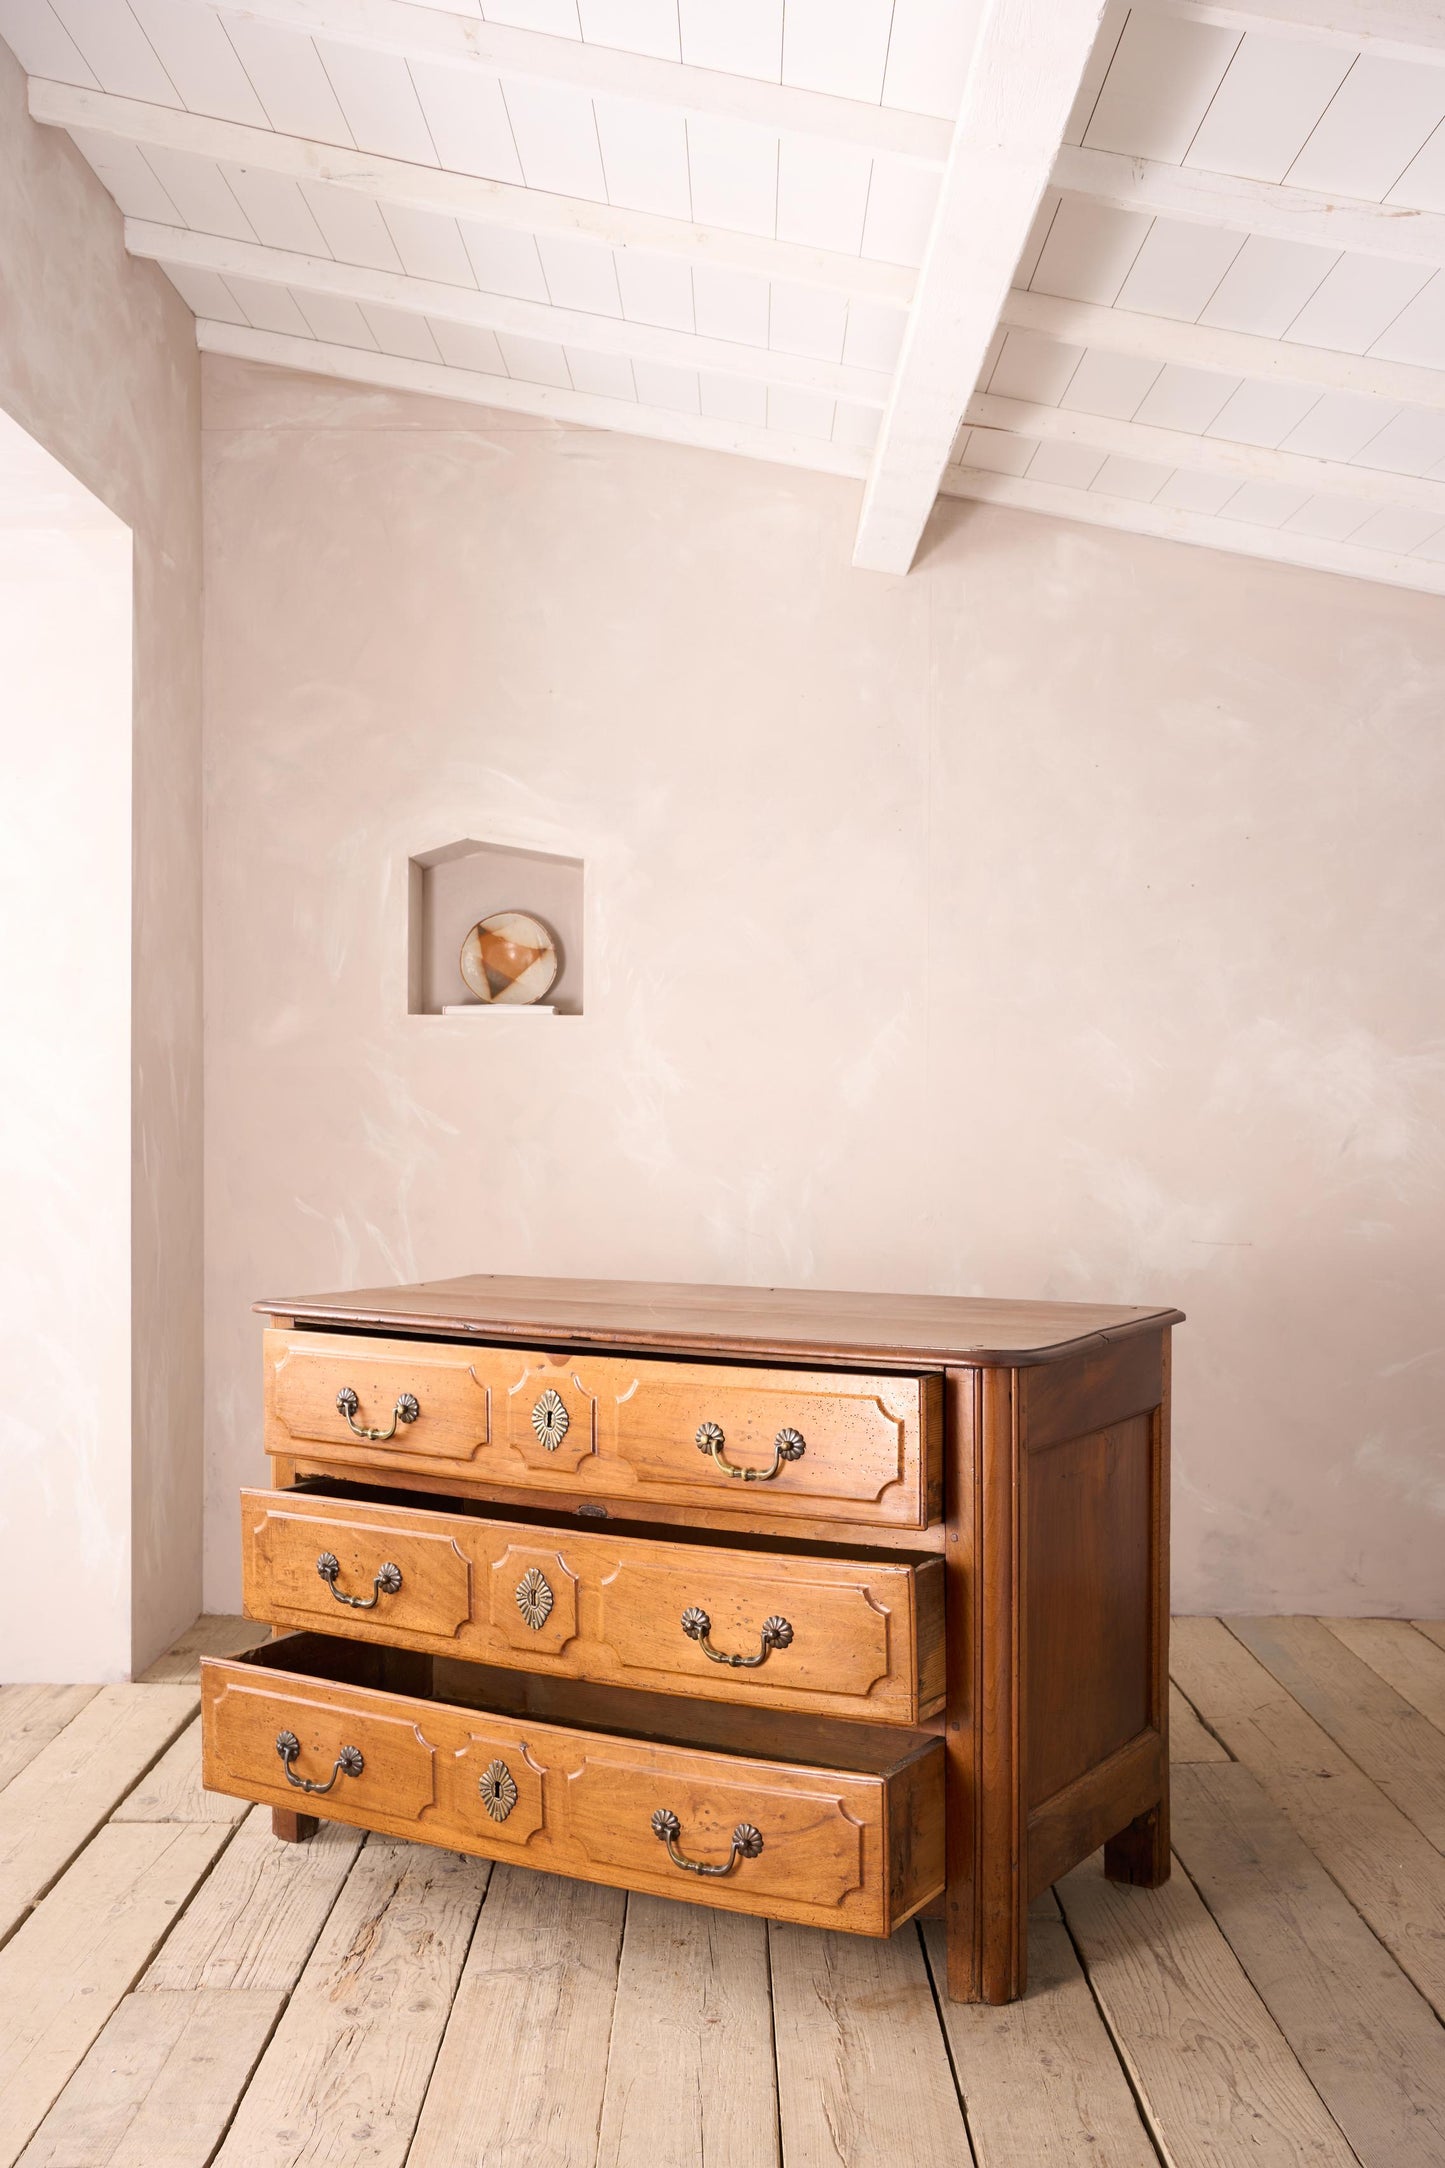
(387,1582)
(407,1409)
(776,1634)
(788,1445)
(747,1843)
(349,1763)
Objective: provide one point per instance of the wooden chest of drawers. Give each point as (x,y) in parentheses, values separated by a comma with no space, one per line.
(833,1608)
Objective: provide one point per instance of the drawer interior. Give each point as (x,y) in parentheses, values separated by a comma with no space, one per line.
(621,1712)
(541,1519)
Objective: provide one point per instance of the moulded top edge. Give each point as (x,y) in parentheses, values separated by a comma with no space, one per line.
(928,1331)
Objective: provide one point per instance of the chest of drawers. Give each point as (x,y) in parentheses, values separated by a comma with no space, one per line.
(831,1608)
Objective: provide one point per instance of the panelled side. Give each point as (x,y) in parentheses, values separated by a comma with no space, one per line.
(1094,1598)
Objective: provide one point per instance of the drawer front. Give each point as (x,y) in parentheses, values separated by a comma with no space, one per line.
(857,1638)
(840,1446)
(832,1848)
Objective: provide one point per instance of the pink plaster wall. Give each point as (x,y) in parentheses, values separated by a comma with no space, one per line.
(98,364)
(1064,920)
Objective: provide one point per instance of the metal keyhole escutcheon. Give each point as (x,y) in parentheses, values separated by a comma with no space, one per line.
(550,1420)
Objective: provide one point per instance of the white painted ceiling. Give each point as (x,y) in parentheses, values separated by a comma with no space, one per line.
(705,220)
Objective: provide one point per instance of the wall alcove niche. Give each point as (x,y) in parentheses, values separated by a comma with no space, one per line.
(450,888)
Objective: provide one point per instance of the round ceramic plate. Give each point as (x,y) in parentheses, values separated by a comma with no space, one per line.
(509,957)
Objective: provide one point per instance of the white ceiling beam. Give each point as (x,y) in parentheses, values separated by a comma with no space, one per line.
(1027,64)
(1230,353)
(1236,537)
(346,364)
(1202,455)
(461,195)
(1263,207)
(501,312)
(463,41)
(1385,29)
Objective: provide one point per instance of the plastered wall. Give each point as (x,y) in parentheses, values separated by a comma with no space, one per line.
(98,365)
(65,1082)
(1064,920)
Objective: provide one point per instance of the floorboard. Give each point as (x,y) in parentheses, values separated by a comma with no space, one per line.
(160,2084)
(1218,2079)
(1407,1659)
(255,1922)
(30,1717)
(1397,1747)
(863,2073)
(61,1797)
(343,2079)
(79,1952)
(1366,2038)
(522,2069)
(1188,1739)
(690,2080)
(172,1791)
(1391,1873)
(1083,2110)
(182,1990)
(214,1634)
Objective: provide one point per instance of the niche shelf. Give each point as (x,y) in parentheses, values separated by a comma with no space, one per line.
(450,888)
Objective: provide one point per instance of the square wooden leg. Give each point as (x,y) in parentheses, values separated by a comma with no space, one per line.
(1139,1853)
(293,1828)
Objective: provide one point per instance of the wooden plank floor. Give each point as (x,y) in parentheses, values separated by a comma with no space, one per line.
(176,1988)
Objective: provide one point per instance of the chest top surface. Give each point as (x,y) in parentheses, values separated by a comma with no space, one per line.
(799,1324)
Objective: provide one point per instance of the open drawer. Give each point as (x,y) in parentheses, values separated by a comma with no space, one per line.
(751,1621)
(724,1437)
(826,1823)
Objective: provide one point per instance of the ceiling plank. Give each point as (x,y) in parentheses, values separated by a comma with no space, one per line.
(1203,455)
(501,312)
(1231,353)
(1025,74)
(1235,536)
(1264,207)
(464,41)
(462,195)
(1385,29)
(347,364)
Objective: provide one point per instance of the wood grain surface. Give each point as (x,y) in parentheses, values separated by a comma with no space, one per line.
(867,1444)
(1387,1867)
(845,1847)
(346,2072)
(1273,2023)
(690,2074)
(865,1640)
(802,1322)
(1366,2038)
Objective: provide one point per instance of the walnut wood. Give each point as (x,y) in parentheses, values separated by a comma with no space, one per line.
(1057,1573)
(999,1576)
(1088,1541)
(867,1633)
(804,1322)
(1029,1457)
(858,1848)
(747,1520)
(1139,1851)
(963,1899)
(872,1442)
(293,1828)
(1081,1817)
(1062,1401)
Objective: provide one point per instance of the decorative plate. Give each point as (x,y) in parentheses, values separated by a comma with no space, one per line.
(509,957)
